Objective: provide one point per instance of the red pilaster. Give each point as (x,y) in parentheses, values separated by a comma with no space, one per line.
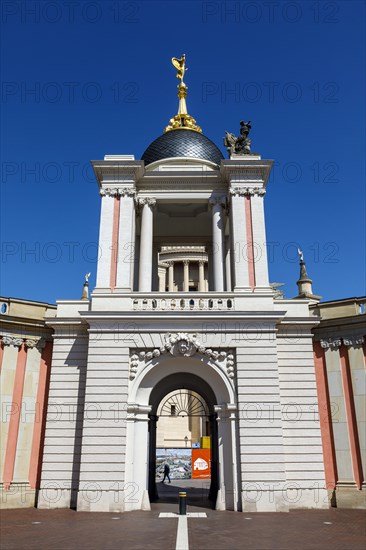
(325,417)
(11,444)
(351,416)
(115,231)
(250,246)
(40,417)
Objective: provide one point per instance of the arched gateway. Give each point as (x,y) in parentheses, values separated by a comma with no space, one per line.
(156,380)
(183,299)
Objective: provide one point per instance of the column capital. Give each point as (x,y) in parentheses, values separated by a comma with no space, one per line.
(12,341)
(220,200)
(150,201)
(353,341)
(138,412)
(332,343)
(186,262)
(39,344)
(117,192)
(247,191)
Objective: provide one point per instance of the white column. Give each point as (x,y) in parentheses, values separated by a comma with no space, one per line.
(186,276)
(259,240)
(228,264)
(201,276)
(137,450)
(126,241)
(162,278)
(105,241)
(239,241)
(171,277)
(146,245)
(217,243)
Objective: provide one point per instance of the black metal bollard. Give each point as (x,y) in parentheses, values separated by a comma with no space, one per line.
(182,503)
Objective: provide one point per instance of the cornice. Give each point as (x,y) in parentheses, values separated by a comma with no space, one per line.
(237,171)
(114,172)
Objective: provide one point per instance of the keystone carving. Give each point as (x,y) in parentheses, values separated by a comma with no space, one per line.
(186,345)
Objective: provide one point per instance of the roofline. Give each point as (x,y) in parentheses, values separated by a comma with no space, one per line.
(24,301)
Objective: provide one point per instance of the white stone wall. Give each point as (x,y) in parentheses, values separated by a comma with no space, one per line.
(262,459)
(103,456)
(305,476)
(62,445)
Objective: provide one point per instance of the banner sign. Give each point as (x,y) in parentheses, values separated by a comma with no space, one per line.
(201,463)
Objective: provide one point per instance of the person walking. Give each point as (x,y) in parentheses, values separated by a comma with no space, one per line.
(166,473)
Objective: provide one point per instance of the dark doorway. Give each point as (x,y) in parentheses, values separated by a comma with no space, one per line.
(170,398)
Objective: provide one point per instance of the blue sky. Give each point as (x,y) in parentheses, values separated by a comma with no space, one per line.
(87,78)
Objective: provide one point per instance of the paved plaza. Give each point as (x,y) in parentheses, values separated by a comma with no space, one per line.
(334,529)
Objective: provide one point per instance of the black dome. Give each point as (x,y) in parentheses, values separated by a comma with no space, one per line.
(182,143)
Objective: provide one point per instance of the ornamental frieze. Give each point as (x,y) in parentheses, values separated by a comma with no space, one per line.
(182,344)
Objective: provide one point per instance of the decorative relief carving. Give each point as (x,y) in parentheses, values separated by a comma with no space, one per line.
(186,345)
(245,191)
(118,192)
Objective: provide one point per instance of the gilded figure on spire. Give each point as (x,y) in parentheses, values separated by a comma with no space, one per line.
(182,120)
(180,65)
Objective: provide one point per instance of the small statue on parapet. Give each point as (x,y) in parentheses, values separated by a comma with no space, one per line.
(239,145)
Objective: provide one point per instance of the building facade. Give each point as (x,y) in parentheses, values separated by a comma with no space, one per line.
(222,335)
(183,302)
(340,358)
(25,362)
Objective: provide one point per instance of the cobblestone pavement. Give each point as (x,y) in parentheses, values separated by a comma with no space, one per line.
(333,529)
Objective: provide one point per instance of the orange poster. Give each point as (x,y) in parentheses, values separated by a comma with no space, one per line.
(201,463)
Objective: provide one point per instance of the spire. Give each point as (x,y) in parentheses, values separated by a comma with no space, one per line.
(182,120)
(304,283)
(85,294)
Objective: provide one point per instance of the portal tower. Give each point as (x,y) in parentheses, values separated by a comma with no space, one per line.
(183,300)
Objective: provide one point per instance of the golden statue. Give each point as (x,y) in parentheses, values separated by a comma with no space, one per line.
(182,120)
(180,65)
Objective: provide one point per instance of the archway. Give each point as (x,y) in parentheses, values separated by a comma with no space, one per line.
(169,390)
(154,380)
